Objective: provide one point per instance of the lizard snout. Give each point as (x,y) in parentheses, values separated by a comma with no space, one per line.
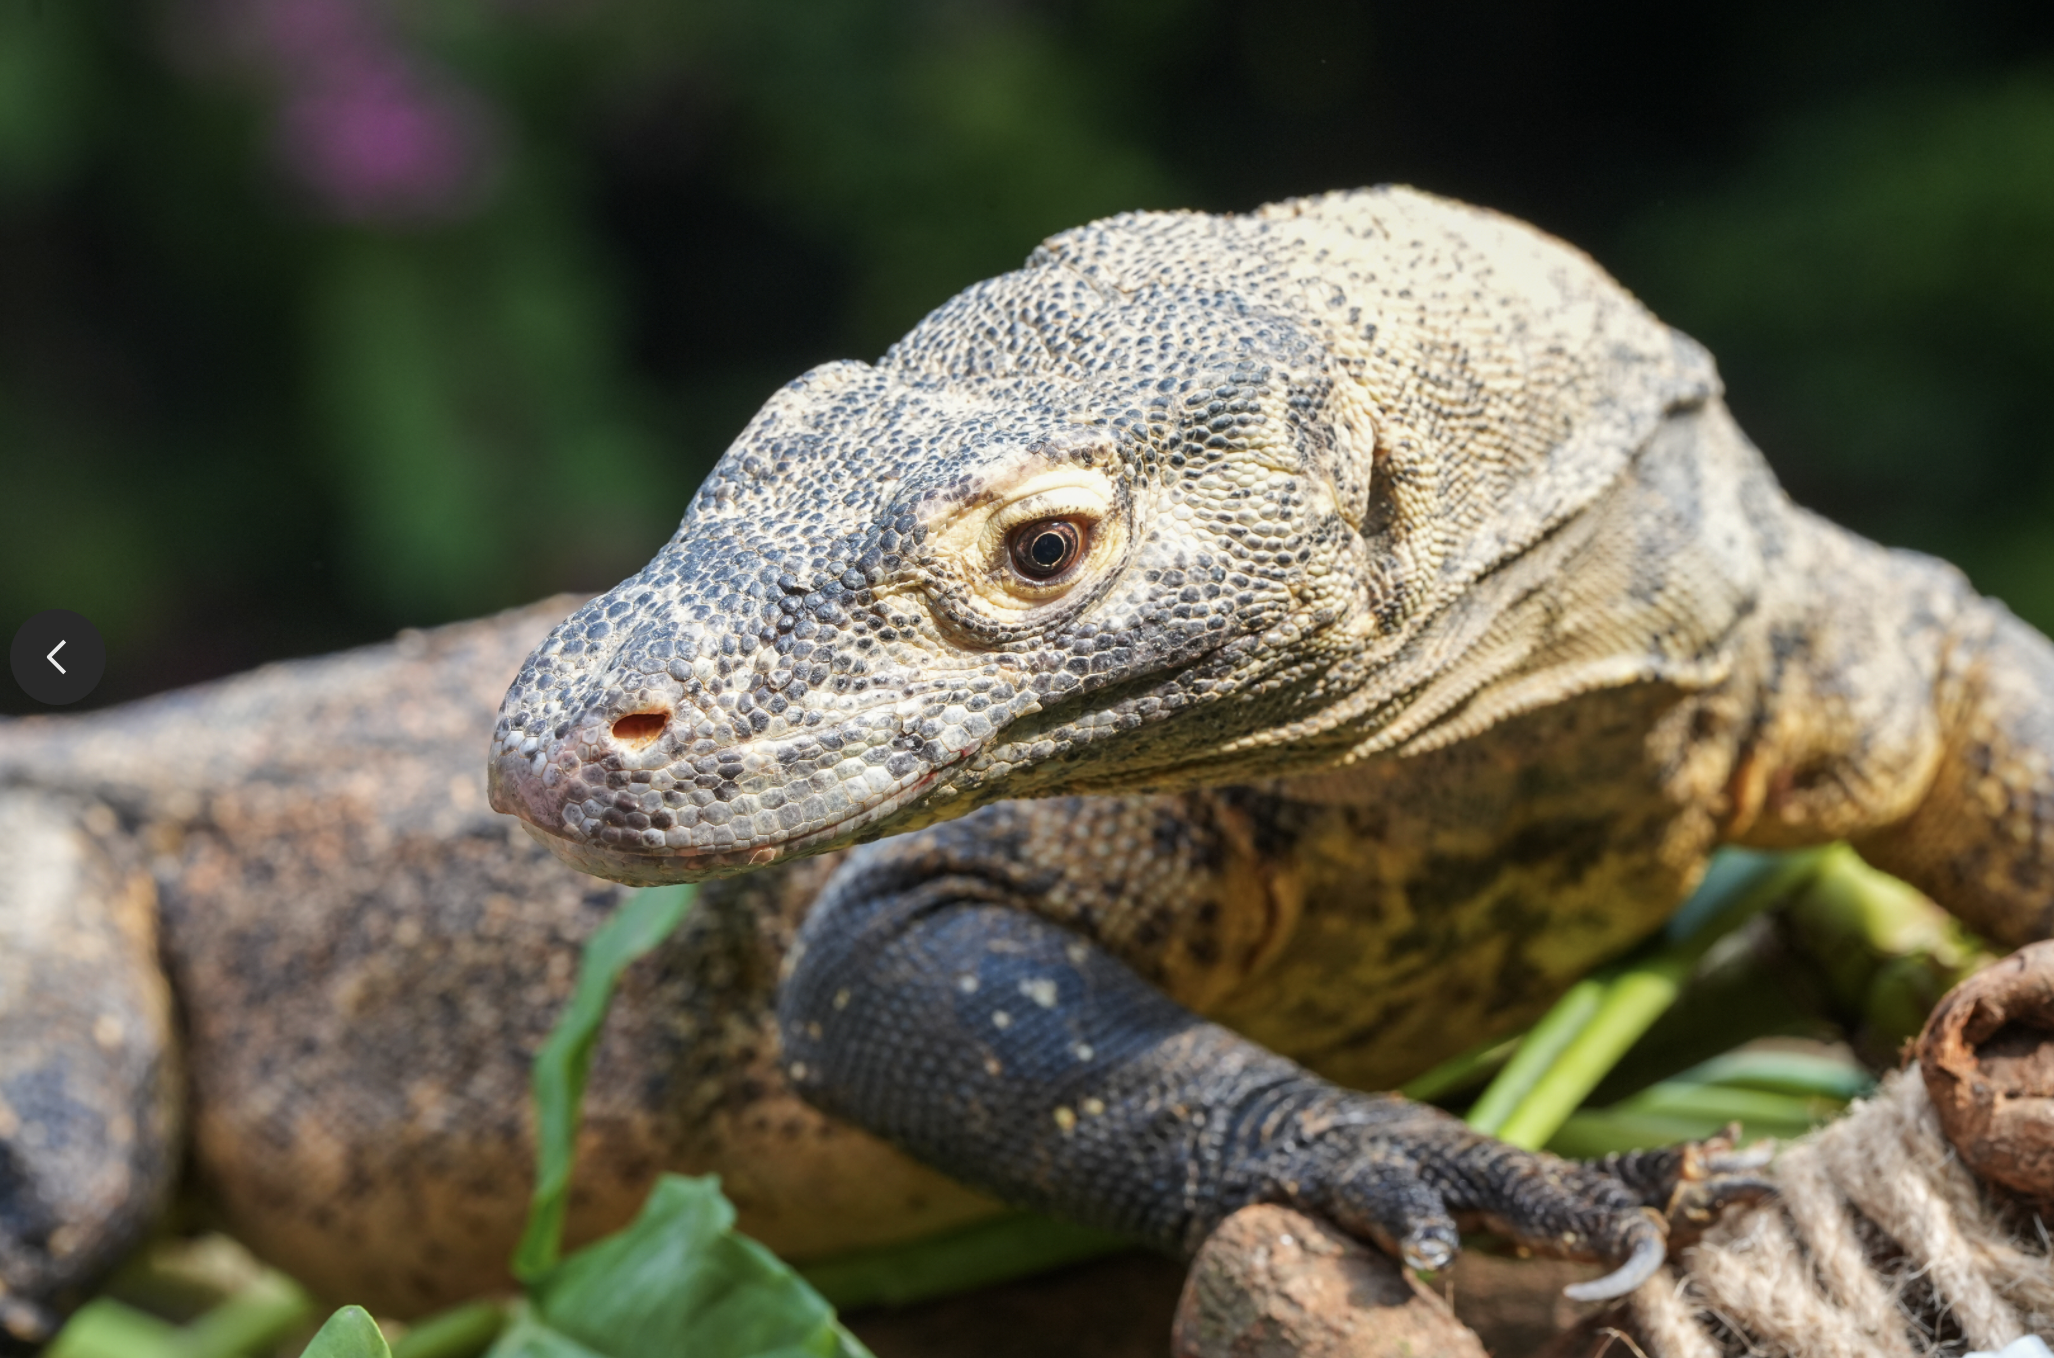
(515,785)
(536,780)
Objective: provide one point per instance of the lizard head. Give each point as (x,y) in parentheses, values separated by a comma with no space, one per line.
(1132,517)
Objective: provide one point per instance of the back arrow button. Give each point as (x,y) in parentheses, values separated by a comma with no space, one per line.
(57,657)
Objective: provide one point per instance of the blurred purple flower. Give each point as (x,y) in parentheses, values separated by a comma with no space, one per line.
(367,126)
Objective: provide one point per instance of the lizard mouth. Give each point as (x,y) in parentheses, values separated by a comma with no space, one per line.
(651,826)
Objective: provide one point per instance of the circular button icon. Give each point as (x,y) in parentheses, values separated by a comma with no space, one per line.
(58,657)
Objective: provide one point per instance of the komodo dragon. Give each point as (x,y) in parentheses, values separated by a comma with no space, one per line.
(1393,618)
(1224,505)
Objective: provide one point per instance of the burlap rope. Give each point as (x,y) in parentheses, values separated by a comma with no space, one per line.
(1880,1243)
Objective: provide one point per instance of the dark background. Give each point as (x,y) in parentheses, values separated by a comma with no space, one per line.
(319,318)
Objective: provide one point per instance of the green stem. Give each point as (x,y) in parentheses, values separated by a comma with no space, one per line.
(1547,1040)
(1719,1104)
(106,1328)
(1458,1072)
(565,1060)
(1588,1135)
(1631,1004)
(1571,1049)
(254,1320)
(1782,1072)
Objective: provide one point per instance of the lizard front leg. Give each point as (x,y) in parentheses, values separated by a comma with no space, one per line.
(927,1002)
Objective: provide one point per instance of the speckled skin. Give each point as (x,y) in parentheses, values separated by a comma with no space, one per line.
(1433,623)
(272,923)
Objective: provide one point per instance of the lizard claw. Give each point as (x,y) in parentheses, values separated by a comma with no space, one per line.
(1753,1157)
(1650,1249)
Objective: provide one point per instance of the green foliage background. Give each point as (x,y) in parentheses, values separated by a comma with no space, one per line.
(239,421)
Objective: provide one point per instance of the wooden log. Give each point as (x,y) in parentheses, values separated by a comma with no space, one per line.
(1273,1283)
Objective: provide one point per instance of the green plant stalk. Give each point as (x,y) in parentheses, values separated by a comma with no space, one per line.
(1721,1104)
(1887,952)
(1632,1002)
(1544,1042)
(995,1251)
(1738,885)
(1782,1072)
(1457,1072)
(461,1332)
(1589,1134)
(1595,1024)
(565,1061)
(250,1321)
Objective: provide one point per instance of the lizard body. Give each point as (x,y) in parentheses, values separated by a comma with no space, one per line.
(1431,623)
(1397,516)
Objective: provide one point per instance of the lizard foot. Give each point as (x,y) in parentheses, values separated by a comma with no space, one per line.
(1691,1184)
(1409,1178)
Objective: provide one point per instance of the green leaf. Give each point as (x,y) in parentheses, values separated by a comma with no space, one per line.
(349,1333)
(106,1328)
(1784,1072)
(565,1061)
(679,1279)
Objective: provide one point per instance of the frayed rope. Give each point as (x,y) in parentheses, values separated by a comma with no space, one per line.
(1879,1245)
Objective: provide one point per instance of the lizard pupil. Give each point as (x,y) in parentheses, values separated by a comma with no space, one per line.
(1047,548)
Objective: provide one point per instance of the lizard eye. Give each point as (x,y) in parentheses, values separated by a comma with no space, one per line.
(1044,549)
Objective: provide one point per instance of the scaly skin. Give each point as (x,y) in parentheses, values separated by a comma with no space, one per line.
(269,926)
(1395,619)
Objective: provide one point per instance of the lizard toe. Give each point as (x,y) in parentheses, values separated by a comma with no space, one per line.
(1404,1176)
(1386,1200)
(1692,1183)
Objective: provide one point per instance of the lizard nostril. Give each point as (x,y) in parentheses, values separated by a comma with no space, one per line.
(639,728)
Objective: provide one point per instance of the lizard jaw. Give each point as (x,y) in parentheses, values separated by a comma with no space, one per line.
(644,869)
(553,814)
